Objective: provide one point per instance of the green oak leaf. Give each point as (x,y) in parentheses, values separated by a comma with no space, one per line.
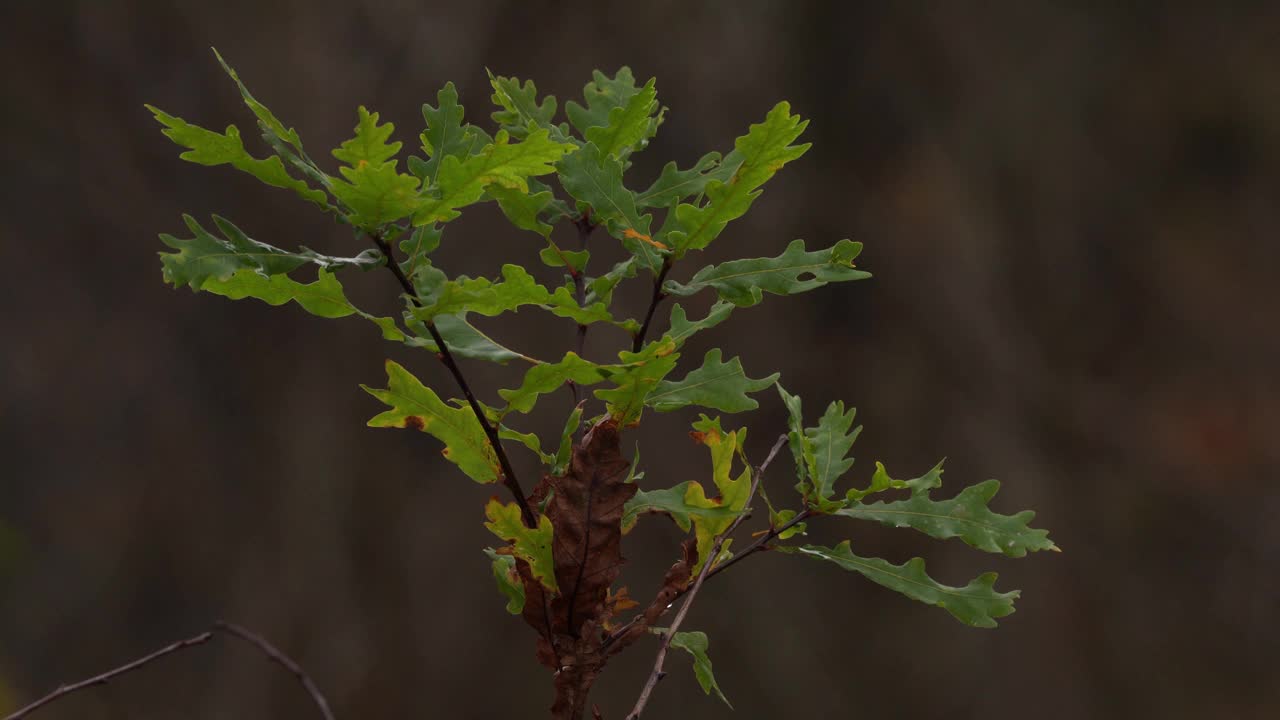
(965,516)
(206,255)
(603,95)
(508,580)
(565,453)
(696,644)
(517,289)
(719,385)
(446,135)
(595,181)
(734,492)
(764,150)
(744,282)
(463,339)
(418,244)
(268,119)
(601,288)
(634,474)
(549,210)
(628,126)
(563,304)
(881,481)
(483,296)
(782,517)
(976,604)
(524,209)
(377,195)
(643,371)
(674,184)
(459,334)
(829,445)
(548,377)
(373,190)
(284,141)
(370,144)
(520,110)
(682,328)
(555,256)
(529,440)
(462,181)
(533,545)
(324,297)
(672,501)
(414,405)
(798,441)
(210,148)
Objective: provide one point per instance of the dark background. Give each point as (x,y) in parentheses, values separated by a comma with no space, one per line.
(1070,211)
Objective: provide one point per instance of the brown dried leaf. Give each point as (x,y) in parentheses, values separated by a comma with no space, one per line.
(676,580)
(586,510)
(585,506)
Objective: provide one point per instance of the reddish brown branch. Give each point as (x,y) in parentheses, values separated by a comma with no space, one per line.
(446,357)
(657,673)
(220,627)
(761,543)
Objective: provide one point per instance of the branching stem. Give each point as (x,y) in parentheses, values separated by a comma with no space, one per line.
(657,673)
(224,628)
(446,357)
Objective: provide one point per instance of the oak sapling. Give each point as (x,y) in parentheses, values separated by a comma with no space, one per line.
(558,559)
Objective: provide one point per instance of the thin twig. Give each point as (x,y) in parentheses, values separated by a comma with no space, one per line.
(760,544)
(106,677)
(282,660)
(220,627)
(763,542)
(657,674)
(658,296)
(446,357)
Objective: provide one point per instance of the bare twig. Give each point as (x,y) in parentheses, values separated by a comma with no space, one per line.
(446,357)
(106,677)
(657,673)
(220,627)
(760,544)
(282,660)
(658,296)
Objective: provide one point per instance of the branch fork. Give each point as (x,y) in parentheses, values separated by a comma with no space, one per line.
(219,628)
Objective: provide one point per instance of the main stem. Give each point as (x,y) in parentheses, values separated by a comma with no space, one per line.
(446,357)
(580,287)
(657,298)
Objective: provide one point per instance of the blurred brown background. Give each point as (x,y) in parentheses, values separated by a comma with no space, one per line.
(1071,213)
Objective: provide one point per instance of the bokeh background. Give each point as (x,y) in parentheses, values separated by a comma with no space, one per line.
(1071,212)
